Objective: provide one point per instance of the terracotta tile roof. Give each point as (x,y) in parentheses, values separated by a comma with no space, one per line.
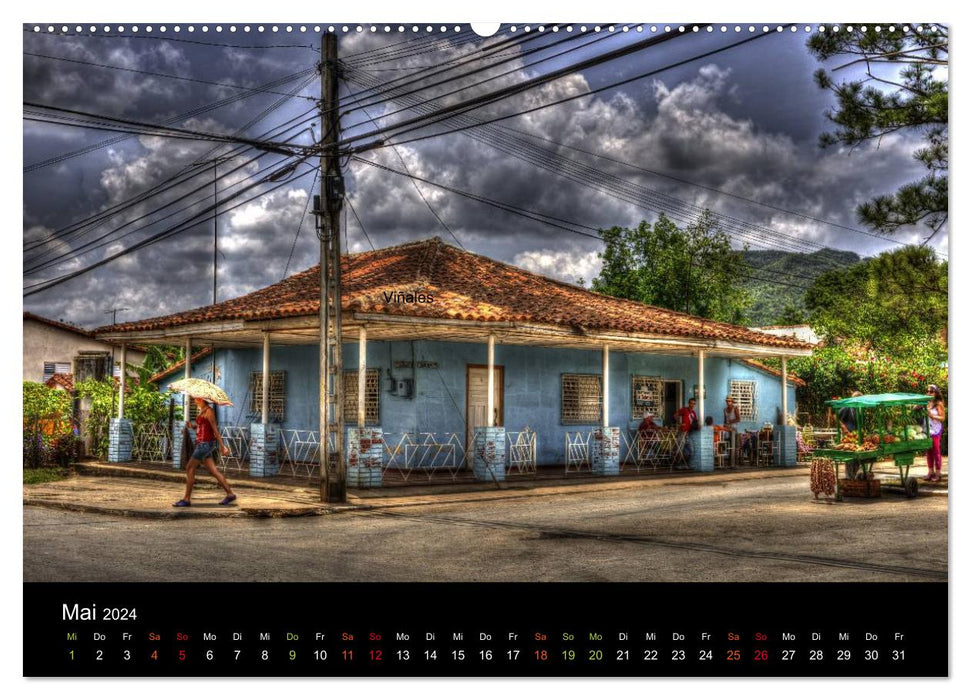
(772,370)
(61,381)
(58,324)
(178,365)
(465,286)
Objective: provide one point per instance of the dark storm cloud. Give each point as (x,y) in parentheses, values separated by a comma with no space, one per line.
(720,123)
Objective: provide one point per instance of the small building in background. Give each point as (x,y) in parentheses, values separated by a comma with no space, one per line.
(68,352)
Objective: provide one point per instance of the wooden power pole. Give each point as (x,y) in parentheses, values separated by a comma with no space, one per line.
(327,206)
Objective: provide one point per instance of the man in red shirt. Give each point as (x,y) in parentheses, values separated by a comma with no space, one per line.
(687,420)
(686,417)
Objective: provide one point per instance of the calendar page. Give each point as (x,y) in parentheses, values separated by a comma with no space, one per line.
(525,349)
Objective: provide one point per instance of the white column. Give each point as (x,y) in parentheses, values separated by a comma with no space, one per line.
(361,377)
(785,393)
(701,387)
(606,384)
(265,397)
(188,374)
(491,379)
(121,383)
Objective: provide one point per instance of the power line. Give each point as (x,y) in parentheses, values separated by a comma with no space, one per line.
(542,218)
(183,116)
(502,93)
(152,73)
(178,228)
(418,190)
(486,68)
(102,122)
(310,198)
(487,99)
(358,219)
(185,174)
(749,200)
(598,180)
(100,241)
(425,75)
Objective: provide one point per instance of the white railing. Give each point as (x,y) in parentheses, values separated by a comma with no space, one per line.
(236,438)
(652,450)
(424,454)
(151,442)
(576,451)
(299,453)
(521,453)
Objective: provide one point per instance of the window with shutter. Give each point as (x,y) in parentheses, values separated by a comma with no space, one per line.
(52,368)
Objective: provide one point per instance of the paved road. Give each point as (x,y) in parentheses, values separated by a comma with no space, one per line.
(754,530)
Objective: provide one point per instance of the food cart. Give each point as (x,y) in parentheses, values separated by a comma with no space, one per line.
(888,426)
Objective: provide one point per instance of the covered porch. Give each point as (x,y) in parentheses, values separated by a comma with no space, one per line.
(410,420)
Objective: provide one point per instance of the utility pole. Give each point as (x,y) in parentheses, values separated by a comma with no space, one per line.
(327,208)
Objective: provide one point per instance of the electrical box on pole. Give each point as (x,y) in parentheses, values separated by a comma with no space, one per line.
(327,208)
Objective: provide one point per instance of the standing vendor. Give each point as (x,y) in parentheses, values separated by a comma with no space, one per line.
(732,414)
(935,426)
(847,417)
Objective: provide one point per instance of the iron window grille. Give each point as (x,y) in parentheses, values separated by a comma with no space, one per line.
(646,396)
(372,408)
(581,399)
(743,392)
(278,394)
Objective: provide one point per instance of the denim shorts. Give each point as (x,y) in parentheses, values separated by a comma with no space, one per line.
(204,449)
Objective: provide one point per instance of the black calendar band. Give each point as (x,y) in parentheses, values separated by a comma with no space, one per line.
(469,629)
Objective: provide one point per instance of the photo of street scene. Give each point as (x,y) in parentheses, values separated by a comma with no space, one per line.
(563,302)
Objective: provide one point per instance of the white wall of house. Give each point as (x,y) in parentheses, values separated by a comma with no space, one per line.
(47,343)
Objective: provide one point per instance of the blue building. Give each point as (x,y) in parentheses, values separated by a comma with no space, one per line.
(457,365)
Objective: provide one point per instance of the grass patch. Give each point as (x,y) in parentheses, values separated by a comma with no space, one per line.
(41,476)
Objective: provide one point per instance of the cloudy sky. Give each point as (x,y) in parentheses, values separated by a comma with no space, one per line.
(731,128)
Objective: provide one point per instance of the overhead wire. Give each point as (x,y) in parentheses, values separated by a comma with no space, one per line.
(418,190)
(408,125)
(155,238)
(81,231)
(177,119)
(449,66)
(358,219)
(527,151)
(100,121)
(184,174)
(481,69)
(169,76)
(542,218)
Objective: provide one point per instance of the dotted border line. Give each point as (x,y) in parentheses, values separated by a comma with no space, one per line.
(446,29)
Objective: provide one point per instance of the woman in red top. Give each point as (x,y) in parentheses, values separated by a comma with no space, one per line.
(208,440)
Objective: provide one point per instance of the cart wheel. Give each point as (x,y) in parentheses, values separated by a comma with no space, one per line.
(910,487)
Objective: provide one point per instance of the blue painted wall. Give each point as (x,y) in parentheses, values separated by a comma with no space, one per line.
(531,387)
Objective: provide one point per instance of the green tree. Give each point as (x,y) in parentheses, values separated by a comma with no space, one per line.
(893,302)
(899,88)
(693,269)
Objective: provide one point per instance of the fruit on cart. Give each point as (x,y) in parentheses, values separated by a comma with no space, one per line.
(915,432)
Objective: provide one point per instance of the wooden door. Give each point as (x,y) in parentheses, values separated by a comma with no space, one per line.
(477,398)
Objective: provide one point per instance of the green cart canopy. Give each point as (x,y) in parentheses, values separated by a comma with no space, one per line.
(873,400)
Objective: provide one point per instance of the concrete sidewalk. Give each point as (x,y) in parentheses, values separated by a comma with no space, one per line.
(150,493)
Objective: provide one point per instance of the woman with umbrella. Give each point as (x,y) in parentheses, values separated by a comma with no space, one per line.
(208,439)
